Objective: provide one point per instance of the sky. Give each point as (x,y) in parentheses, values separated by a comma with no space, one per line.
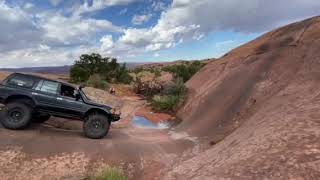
(38,33)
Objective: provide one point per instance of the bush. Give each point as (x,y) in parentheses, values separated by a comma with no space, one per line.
(97,82)
(178,88)
(123,75)
(170,98)
(156,72)
(78,74)
(124,78)
(185,70)
(108,69)
(165,103)
(137,70)
(110,174)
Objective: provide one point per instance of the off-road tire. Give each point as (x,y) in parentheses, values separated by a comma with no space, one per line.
(40,118)
(16,115)
(96,126)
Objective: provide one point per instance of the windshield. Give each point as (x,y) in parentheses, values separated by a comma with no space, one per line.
(84,95)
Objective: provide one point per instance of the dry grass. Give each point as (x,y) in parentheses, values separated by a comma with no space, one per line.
(3,75)
(109,174)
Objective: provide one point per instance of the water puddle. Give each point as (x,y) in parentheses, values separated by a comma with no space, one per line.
(141,122)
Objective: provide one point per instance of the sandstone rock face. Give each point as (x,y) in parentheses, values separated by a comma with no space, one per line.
(259,105)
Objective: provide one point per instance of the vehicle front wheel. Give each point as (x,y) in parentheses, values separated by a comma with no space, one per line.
(16,116)
(96,126)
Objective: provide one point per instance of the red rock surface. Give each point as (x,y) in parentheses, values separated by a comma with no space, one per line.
(259,106)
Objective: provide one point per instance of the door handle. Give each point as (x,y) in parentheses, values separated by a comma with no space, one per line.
(34,93)
(59,99)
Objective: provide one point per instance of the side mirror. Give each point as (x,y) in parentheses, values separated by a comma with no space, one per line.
(81,86)
(77,95)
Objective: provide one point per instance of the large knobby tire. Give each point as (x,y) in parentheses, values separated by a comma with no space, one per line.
(40,118)
(16,115)
(96,126)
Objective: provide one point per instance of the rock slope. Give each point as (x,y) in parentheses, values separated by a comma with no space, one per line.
(259,107)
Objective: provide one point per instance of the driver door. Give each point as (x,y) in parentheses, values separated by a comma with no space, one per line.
(69,105)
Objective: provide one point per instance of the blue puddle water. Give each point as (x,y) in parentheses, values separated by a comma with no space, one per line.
(141,122)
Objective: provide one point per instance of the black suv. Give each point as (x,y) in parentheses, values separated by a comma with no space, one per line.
(29,98)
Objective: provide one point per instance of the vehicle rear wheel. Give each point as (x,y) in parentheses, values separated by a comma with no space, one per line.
(96,126)
(40,118)
(16,115)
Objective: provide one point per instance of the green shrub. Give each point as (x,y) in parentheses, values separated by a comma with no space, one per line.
(123,75)
(177,88)
(108,68)
(185,70)
(155,71)
(78,74)
(110,174)
(137,70)
(170,98)
(164,103)
(97,82)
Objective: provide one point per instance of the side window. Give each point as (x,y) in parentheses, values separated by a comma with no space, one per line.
(48,87)
(39,85)
(21,81)
(67,91)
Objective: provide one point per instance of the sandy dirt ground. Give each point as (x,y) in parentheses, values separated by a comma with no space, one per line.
(58,149)
(46,152)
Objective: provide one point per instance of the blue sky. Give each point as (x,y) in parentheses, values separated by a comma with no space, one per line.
(57,32)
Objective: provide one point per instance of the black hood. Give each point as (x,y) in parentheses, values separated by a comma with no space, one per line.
(90,102)
(98,104)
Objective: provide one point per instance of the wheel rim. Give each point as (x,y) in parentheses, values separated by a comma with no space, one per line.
(15,115)
(97,125)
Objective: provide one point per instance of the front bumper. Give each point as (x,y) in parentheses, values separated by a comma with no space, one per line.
(115,117)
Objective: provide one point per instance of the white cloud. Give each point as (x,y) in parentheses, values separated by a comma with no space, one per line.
(55,37)
(156,38)
(73,30)
(44,55)
(123,11)
(29,39)
(136,37)
(141,19)
(43,47)
(35,57)
(97,5)
(106,42)
(192,20)
(158,6)
(17,29)
(28,6)
(244,16)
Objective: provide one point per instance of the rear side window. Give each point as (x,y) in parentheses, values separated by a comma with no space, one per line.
(21,81)
(48,87)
